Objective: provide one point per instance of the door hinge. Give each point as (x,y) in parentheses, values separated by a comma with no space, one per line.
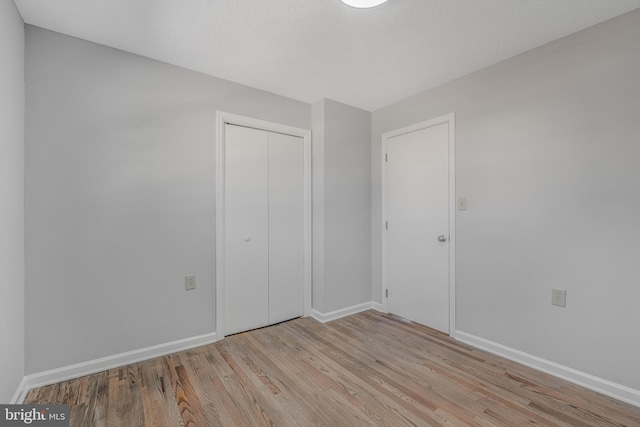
(386,225)
(386,157)
(386,293)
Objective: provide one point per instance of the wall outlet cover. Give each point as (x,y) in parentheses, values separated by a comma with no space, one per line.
(558,297)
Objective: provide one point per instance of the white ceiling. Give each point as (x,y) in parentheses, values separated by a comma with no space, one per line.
(313,49)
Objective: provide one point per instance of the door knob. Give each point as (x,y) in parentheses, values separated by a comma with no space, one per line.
(247,238)
(442,238)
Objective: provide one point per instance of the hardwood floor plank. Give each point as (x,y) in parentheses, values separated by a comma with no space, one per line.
(188,401)
(166,394)
(368,369)
(97,400)
(118,397)
(154,413)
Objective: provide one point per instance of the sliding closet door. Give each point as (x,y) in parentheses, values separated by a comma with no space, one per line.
(246,228)
(286,227)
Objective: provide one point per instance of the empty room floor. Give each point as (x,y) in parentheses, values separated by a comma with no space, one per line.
(362,370)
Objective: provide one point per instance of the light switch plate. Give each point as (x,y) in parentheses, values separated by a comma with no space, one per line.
(462,203)
(189,282)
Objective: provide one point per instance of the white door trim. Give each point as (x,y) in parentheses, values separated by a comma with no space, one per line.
(223,118)
(450,120)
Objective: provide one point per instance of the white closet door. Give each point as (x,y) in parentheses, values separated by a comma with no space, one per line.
(246,229)
(286,227)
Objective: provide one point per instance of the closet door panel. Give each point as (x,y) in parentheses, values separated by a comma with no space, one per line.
(246,229)
(286,227)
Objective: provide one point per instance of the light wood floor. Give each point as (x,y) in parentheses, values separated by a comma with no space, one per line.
(363,370)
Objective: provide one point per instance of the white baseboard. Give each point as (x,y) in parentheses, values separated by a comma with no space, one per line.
(377,307)
(20,393)
(600,385)
(65,373)
(343,312)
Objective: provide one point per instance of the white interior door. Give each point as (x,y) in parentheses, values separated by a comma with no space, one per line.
(246,228)
(286,227)
(417,260)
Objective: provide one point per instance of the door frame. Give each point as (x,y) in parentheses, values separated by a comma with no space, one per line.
(222,119)
(450,120)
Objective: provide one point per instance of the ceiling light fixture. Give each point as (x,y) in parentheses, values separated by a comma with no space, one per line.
(363,4)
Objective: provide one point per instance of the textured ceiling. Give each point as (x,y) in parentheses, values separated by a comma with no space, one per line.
(313,49)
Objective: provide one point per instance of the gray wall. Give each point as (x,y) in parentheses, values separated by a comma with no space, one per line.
(120,197)
(11,200)
(342,215)
(547,150)
(347,201)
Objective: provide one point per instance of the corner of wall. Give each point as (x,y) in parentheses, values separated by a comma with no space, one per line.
(317,167)
(12,257)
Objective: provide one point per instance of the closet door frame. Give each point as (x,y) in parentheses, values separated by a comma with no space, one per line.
(222,119)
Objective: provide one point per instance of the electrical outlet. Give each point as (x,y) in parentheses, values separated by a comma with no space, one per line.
(462,203)
(558,297)
(189,282)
